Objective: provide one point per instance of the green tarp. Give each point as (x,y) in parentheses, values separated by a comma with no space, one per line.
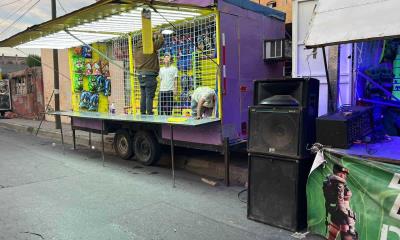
(343,185)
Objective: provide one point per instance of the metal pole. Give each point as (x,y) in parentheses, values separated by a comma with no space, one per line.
(62,139)
(102,141)
(331,109)
(227,161)
(90,140)
(172,155)
(55,72)
(73,133)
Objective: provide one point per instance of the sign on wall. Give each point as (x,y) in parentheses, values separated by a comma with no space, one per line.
(5,98)
(354,198)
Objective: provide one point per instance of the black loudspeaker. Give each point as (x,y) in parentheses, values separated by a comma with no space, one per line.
(283,121)
(277,191)
(342,128)
(303,91)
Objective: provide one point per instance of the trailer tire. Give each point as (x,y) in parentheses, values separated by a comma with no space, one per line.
(123,144)
(146,147)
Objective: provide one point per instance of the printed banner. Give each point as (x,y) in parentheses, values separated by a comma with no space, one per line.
(354,198)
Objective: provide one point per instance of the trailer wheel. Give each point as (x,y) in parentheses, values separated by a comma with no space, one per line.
(123,144)
(146,147)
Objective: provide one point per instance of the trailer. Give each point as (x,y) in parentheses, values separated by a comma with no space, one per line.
(218,44)
(5,97)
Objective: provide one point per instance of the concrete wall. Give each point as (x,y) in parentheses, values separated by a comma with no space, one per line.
(48,80)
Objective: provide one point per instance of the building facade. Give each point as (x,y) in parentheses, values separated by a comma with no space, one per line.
(280,5)
(27,92)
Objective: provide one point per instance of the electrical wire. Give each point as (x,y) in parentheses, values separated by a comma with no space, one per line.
(20,17)
(6,4)
(14,12)
(240,193)
(62,7)
(44,64)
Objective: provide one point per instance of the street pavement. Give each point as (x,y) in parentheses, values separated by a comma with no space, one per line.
(50,193)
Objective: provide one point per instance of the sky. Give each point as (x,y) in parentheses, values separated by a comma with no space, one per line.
(10,10)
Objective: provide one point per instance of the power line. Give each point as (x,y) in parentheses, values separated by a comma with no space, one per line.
(16,20)
(6,4)
(62,7)
(16,11)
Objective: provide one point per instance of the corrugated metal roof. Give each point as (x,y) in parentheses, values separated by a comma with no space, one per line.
(101,12)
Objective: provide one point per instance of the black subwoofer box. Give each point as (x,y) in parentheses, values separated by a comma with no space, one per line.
(277,191)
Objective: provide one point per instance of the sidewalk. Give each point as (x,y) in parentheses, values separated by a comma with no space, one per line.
(202,163)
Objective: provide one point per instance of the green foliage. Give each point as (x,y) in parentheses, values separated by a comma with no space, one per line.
(33,61)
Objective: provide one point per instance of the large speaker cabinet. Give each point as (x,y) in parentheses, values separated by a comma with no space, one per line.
(282,123)
(277,191)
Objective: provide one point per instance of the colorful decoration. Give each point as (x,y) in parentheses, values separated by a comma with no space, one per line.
(86,52)
(78,83)
(92,86)
(85,100)
(100,80)
(96,68)
(107,87)
(78,64)
(88,67)
(94,102)
(78,51)
(105,68)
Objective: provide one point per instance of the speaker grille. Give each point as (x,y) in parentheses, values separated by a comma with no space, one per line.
(274,131)
(277,191)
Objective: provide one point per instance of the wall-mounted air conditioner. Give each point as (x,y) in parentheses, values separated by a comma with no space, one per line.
(277,50)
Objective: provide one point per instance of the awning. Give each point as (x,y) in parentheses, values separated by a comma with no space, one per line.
(344,21)
(100,21)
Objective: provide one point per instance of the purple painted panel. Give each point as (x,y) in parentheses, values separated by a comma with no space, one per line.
(245,32)
(201,3)
(87,123)
(229,31)
(206,134)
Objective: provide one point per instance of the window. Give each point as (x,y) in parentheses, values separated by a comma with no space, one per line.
(20,86)
(271,4)
(29,85)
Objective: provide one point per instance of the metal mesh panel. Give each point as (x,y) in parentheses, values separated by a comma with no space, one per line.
(192,47)
(117,50)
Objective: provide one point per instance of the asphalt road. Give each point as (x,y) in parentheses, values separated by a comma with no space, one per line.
(48,194)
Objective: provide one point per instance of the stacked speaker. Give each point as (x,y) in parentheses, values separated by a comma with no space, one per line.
(281,128)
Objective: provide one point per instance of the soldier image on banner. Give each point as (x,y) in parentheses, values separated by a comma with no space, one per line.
(340,218)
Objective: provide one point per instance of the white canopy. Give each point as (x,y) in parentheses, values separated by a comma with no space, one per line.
(343,21)
(103,20)
(105,29)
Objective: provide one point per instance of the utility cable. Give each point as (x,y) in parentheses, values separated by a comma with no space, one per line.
(14,12)
(239,195)
(44,64)
(62,7)
(6,4)
(19,18)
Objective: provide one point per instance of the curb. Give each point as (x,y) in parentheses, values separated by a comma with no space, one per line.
(198,166)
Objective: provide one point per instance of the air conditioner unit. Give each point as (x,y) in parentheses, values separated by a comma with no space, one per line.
(277,50)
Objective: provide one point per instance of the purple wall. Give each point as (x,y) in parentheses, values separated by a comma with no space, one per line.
(87,123)
(244,32)
(208,134)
